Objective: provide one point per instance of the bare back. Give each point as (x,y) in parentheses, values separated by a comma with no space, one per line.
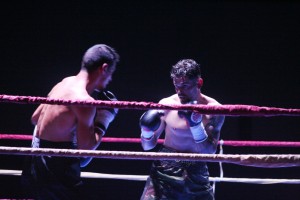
(59,122)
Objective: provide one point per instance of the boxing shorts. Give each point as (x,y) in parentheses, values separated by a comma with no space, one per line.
(175,179)
(53,177)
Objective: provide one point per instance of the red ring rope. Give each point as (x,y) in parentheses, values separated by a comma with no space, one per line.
(231,110)
(137,140)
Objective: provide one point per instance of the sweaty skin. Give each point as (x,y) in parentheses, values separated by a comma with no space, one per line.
(177,132)
(60,123)
(184,132)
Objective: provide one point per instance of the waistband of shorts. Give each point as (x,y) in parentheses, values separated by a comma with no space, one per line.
(55,145)
(185,162)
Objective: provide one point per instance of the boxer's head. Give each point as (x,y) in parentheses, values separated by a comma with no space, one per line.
(186,67)
(187,79)
(98,55)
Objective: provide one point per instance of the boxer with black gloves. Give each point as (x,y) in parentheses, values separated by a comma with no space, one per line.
(69,127)
(185,131)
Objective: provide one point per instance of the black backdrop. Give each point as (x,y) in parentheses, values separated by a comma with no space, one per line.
(249,54)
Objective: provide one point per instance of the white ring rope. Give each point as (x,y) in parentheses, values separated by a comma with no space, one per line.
(144,178)
(268,161)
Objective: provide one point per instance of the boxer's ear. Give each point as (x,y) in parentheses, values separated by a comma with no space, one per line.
(103,68)
(200,82)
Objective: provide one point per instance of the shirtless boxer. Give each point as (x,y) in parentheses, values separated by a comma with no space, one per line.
(185,132)
(71,127)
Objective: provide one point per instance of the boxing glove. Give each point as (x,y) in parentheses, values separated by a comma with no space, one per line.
(150,122)
(194,120)
(104,116)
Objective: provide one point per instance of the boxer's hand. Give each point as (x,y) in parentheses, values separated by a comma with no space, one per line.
(194,120)
(150,122)
(104,116)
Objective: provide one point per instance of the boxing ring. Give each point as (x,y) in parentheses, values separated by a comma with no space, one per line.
(253,160)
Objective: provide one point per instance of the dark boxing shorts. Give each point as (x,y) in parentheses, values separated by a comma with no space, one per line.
(53,177)
(175,179)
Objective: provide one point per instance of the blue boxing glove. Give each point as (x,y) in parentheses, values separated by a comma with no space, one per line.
(194,120)
(104,116)
(150,122)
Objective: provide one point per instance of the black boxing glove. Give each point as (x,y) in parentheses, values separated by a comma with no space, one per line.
(150,122)
(104,116)
(194,120)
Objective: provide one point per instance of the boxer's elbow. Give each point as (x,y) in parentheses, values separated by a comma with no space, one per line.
(211,146)
(87,145)
(213,149)
(35,116)
(90,142)
(34,119)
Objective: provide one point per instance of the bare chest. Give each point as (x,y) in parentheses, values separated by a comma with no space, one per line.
(178,135)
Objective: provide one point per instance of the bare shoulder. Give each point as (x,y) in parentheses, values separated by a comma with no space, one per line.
(210,101)
(70,88)
(83,113)
(170,100)
(215,121)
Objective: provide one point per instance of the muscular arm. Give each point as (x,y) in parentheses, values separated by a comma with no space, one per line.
(35,116)
(213,129)
(86,136)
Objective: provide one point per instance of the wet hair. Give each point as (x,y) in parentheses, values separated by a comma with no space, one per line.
(97,55)
(186,68)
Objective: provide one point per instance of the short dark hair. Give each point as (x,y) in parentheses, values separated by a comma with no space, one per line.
(98,55)
(186,68)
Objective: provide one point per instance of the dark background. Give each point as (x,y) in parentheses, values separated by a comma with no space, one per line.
(249,54)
